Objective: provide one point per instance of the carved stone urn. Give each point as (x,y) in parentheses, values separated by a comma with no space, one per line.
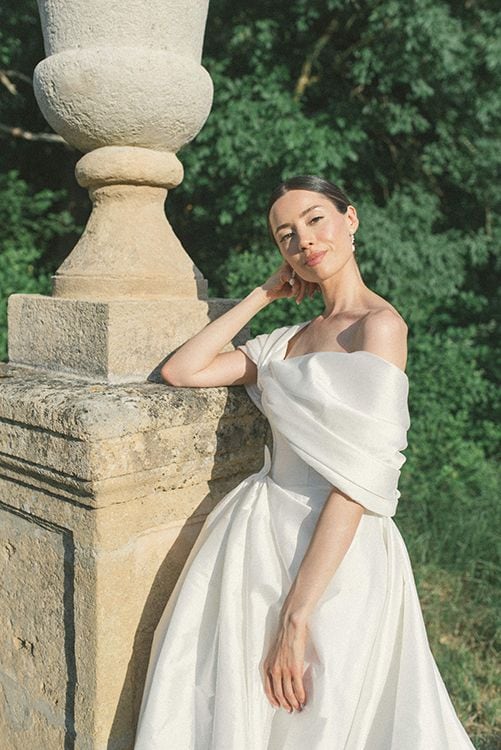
(123,83)
(106,478)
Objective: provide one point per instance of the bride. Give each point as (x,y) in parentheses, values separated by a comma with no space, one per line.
(296,621)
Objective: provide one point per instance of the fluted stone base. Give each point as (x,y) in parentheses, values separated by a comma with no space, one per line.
(111,341)
(103,490)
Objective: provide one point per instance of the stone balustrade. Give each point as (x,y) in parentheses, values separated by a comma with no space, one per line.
(106,473)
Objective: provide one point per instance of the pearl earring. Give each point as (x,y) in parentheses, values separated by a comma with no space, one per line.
(352,242)
(291,280)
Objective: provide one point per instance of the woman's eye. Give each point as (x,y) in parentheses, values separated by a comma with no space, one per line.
(286,236)
(316,218)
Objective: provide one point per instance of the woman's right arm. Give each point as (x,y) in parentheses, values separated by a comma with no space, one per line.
(199,362)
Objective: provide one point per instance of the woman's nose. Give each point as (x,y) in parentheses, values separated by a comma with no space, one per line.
(305,240)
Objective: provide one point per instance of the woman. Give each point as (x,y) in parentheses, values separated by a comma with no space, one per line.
(295,622)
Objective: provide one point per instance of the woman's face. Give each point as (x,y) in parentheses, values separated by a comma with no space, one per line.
(312,235)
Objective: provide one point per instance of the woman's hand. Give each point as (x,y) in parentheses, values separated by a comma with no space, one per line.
(284,665)
(277,285)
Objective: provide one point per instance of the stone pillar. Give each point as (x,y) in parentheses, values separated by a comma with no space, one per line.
(123,83)
(103,490)
(106,474)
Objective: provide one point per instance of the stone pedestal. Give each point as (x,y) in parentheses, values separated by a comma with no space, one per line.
(103,490)
(113,341)
(124,84)
(107,474)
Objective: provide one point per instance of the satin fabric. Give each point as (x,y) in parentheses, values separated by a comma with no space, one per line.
(338,419)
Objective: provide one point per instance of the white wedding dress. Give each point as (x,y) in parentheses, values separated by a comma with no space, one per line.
(338,419)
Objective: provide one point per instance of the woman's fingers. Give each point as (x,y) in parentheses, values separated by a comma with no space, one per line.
(288,289)
(277,285)
(273,688)
(284,665)
(303,288)
(285,274)
(299,289)
(268,689)
(289,692)
(276,676)
(285,689)
(298,685)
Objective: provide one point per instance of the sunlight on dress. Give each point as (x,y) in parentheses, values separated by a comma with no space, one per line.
(338,419)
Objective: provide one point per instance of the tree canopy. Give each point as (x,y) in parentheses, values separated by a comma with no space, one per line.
(397,103)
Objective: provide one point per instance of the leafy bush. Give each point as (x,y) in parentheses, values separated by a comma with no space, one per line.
(398,103)
(28,223)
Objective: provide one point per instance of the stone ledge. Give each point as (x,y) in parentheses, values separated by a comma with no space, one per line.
(89,411)
(95,446)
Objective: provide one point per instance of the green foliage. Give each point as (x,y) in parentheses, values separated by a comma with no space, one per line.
(21,47)
(379,97)
(28,223)
(450,471)
(398,104)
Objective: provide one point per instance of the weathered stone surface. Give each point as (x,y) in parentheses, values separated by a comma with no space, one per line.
(124,77)
(103,491)
(85,441)
(110,341)
(35,668)
(124,84)
(107,474)
(176,24)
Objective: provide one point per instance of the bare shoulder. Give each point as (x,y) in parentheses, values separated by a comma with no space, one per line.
(384,332)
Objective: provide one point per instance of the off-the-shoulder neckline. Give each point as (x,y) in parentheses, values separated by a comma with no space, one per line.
(298,326)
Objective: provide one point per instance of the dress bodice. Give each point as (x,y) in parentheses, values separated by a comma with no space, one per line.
(290,471)
(337,418)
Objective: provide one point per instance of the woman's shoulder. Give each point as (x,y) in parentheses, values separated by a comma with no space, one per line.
(383,331)
(384,316)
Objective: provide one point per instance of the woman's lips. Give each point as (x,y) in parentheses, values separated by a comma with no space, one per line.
(314,259)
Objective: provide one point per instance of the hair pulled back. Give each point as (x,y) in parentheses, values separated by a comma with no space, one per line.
(316,185)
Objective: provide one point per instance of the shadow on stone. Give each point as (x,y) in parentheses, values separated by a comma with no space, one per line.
(240,437)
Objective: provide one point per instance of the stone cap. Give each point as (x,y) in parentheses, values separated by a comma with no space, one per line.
(88,411)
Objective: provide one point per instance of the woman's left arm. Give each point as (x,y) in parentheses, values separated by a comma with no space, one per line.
(334,532)
(384,333)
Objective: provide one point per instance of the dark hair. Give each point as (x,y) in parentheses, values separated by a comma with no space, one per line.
(313,183)
(316,185)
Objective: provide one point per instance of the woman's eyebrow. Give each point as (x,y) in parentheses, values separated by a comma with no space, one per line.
(303,213)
